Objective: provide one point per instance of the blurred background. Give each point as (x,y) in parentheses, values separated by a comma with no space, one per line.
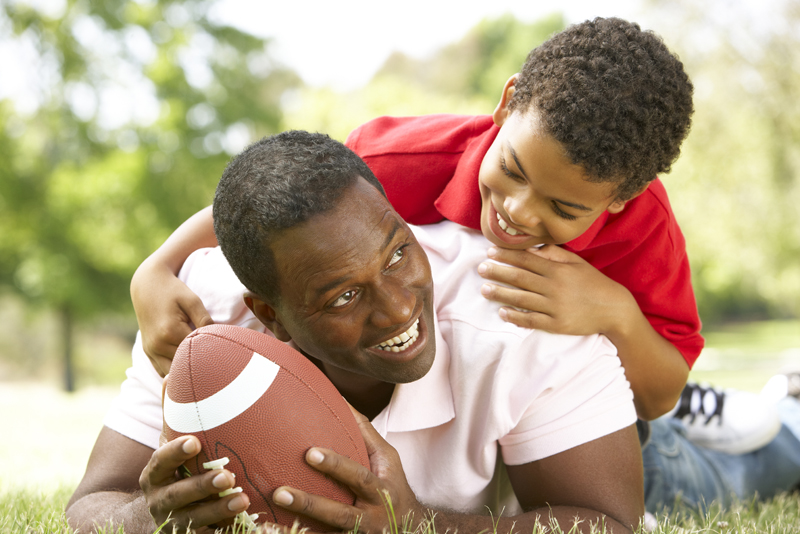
(118,117)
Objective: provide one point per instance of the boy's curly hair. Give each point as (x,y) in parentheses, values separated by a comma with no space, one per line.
(614,96)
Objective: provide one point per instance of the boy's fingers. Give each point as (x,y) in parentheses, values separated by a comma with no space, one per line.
(555,253)
(197,313)
(518,298)
(523,259)
(533,320)
(513,276)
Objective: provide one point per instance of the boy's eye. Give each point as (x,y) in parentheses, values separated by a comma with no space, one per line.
(506,170)
(344,299)
(563,214)
(397,256)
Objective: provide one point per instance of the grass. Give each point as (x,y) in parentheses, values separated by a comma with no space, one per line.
(53,432)
(34,512)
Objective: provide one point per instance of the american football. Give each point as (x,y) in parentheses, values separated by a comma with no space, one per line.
(261,404)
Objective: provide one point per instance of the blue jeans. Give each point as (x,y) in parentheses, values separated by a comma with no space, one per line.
(678,471)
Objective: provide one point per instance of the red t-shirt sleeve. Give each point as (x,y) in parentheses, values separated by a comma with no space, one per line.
(415,158)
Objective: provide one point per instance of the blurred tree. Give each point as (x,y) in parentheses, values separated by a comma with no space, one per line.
(122,132)
(464,77)
(736,189)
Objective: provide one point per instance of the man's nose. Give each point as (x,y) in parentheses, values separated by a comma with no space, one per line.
(393,304)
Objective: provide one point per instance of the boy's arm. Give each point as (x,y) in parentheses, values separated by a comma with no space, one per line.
(166,309)
(564,294)
(598,481)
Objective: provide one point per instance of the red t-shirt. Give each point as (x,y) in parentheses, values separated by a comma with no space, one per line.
(429,167)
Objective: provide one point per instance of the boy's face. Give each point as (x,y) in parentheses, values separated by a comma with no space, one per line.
(531,193)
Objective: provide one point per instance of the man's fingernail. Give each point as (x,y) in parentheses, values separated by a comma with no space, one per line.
(482,268)
(315,457)
(284,498)
(190,446)
(486,289)
(220,481)
(492,252)
(236,504)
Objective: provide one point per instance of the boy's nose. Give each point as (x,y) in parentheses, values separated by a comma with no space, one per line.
(520,214)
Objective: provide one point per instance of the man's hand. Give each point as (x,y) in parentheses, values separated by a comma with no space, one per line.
(167,312)
(561,291)
(190,501)
(386,482)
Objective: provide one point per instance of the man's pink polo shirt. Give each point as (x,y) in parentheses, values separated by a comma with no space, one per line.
(429,167)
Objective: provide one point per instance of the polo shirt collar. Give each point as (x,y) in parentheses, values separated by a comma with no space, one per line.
(425,403)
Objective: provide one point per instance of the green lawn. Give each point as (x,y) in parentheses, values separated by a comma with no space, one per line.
(49,435)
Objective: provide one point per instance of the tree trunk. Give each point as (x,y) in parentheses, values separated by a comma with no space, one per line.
(67,346)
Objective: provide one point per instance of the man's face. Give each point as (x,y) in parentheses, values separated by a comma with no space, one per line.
(356,289)
(532,194)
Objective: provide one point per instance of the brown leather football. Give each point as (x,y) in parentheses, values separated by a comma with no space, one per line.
(260,403)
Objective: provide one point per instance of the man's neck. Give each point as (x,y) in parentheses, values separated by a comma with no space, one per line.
(367,395)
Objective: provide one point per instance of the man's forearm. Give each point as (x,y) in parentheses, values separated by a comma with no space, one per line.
(111,509)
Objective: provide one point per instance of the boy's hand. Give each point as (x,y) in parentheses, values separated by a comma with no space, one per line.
(563,293)
(385,480)
(167,312)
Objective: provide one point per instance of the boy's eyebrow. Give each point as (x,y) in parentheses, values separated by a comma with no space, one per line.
(342,279)
(519,166)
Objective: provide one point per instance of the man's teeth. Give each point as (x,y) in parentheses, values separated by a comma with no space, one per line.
(403,341)
(507,229)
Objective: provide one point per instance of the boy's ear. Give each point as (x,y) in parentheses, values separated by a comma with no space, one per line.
(619,205)
(267,315)
(501,112)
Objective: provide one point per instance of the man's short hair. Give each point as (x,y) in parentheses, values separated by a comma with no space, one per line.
(614,96)
(275,184)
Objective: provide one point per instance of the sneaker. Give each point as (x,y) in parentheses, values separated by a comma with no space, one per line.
(729,421)
(786,384)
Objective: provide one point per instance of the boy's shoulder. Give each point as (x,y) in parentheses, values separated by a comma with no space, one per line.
(438,133)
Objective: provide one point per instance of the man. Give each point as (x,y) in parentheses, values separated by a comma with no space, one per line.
(330,267)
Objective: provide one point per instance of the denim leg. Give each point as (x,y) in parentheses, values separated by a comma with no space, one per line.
(678,471)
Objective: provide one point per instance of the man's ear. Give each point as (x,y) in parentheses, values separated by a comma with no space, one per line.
(501,112)
(267,315)
(619,205)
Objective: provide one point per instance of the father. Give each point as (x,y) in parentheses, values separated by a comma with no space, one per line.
(330,267)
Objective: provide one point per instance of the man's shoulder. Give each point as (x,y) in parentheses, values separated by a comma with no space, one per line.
(438,133)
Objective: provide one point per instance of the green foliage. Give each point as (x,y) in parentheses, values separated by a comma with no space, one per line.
(88,188)
(736,188)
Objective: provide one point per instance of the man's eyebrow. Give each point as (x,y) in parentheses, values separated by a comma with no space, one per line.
(342,279)
(330,285)
(391,234)
(522,170)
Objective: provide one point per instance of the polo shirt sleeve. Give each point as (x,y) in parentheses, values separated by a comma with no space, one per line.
(136,412)
(574,403)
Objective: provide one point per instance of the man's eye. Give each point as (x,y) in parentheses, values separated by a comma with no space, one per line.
(345,298)
(397,256)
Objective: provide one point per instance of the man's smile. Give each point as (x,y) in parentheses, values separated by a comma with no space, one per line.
(403,341)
